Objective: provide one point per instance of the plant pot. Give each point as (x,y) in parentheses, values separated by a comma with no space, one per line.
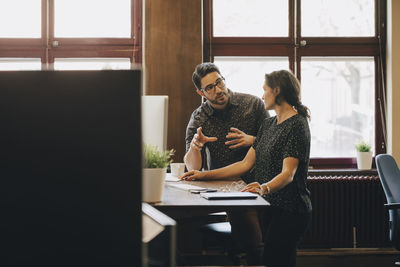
(153,184)
(364,160)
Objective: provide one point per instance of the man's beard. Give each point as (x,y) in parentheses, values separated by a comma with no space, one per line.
(216,102)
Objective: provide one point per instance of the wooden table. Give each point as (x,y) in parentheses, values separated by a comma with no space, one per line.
(191,211)
(181,203)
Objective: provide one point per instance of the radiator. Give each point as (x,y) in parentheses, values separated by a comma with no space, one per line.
(348,212)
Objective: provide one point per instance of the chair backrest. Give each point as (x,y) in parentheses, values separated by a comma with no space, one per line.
(389,175)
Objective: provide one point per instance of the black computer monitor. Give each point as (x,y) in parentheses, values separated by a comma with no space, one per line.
(70,168)
(159,238)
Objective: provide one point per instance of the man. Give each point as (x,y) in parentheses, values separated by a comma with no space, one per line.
(221,130)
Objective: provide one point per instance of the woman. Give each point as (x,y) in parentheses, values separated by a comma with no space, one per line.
(280,155)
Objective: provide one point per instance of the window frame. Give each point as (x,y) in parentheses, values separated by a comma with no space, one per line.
(75,47)
(316,46)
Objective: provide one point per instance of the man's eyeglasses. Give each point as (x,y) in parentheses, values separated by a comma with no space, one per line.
(220,82)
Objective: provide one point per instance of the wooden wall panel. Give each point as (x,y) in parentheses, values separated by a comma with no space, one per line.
(172,49)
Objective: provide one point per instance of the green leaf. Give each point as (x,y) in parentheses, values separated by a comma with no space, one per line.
(155,158)
(362,146)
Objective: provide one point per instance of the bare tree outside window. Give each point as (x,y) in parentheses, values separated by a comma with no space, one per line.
(340,94)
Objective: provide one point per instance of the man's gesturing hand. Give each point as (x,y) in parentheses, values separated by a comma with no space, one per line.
(238,139)
(199,139)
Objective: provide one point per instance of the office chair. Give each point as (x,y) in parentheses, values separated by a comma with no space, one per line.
(218,237)
(389,175)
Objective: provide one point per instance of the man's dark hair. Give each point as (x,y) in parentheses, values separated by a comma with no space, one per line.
(202,70)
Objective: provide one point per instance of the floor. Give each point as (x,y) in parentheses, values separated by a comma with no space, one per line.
(346,257)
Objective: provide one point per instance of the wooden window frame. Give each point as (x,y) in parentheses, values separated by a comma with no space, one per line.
(76,47)
(316,46)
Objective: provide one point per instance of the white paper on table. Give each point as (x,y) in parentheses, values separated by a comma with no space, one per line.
(170,178)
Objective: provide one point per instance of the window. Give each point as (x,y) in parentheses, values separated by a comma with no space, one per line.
(333,47)
(91,63)
(25,21)
(234,18)
(20,63)
(109,19)
(341,91)
(235,68)
(70,34)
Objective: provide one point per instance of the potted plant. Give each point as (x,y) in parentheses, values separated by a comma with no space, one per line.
(364,155)
(154,171)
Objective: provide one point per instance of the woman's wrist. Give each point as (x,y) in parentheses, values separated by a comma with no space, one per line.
(265,189)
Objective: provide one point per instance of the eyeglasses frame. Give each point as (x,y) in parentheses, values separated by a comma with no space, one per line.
(214,85)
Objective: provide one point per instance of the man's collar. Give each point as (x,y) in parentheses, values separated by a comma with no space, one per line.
(232,101)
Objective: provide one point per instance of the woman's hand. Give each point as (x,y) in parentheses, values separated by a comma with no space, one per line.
(254,188)
(193,175)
